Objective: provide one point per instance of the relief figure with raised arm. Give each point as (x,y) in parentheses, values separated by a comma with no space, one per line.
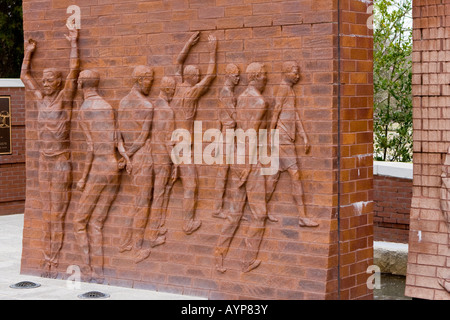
(54,105)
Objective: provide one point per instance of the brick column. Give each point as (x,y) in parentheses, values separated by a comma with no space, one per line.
(356,149)
(428,257)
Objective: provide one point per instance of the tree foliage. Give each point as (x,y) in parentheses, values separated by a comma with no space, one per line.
(11,38)
(393,80)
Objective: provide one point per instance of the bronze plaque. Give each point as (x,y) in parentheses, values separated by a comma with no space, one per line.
(5,125)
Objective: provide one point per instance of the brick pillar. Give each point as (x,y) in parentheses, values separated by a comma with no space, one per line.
(324,262)
(12,166)
(428,258)
(356,149)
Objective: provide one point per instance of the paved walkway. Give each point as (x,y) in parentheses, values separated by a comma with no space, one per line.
(10,255)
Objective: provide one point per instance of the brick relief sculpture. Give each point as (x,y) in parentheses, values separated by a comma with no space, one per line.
(149,203)
(190,88)
(227,120)
(248,185)
(100,179)
(163,127)
(287,121)
(135,116)
(54,104)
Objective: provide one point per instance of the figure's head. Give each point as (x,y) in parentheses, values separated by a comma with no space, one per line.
(257,75)
(143,78)
(191,75)
(232,74)
(168,85)
(291,72)
(51,80)
(88,79)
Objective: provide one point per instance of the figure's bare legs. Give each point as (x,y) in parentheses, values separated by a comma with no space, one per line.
(160,202)
(167,192)
(156,234)
(226,236)
(271,184)
(60,198)
(142,206)
(297,193)
(54,183)
(189,180)
(256,196)
(221,182)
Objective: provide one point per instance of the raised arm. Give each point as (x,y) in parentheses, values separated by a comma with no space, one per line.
(212,67)
(70,86)
(25,75)
(193,40)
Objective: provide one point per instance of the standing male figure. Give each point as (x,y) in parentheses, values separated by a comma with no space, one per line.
(287,121)
(227,119)
(162,144)
(54,104)
(247,182)
(100,176)
(184,104)
(134,124)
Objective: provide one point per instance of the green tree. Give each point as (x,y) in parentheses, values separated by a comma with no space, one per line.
(393,80)
(11,38)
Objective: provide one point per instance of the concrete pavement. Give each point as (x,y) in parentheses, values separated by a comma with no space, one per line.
(10,255)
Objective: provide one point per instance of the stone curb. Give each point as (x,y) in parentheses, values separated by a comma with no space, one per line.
(391,257)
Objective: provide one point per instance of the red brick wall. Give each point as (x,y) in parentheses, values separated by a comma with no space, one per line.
(392,206)
(428,257)
(297,263)
(12,167)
